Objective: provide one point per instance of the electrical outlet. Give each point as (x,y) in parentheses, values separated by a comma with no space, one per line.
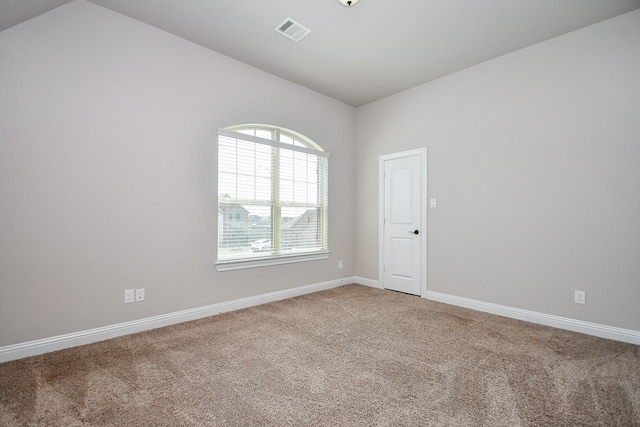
(129,296)
(579,297)
(340,264)
(140,294)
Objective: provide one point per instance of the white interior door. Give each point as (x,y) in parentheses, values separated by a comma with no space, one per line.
(404,222)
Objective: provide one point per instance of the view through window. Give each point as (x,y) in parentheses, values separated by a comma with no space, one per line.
(272,194)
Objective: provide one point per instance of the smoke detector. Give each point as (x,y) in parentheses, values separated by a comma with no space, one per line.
(292,29)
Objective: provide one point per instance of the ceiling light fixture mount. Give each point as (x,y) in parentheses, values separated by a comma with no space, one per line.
(348,3)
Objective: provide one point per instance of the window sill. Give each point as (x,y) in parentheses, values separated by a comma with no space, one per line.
(264,262)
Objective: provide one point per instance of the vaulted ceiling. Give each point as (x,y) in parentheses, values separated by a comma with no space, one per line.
(361,54)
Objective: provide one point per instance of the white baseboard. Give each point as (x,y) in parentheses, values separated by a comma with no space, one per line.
(33,348)
(595,329)
(367,282)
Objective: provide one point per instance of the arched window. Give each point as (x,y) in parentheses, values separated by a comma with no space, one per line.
(274,182)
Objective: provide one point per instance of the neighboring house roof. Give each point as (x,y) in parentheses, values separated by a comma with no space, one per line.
(235,208)
(309,213)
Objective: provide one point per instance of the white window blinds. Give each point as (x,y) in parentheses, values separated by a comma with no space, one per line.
(272,196)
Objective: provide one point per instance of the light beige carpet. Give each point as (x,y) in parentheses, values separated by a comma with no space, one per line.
(351,356)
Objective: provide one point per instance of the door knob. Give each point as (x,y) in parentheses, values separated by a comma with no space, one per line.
(415,232)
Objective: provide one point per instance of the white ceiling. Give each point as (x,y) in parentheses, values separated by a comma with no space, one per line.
(357,55)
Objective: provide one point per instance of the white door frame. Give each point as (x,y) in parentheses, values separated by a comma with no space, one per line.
(423,214)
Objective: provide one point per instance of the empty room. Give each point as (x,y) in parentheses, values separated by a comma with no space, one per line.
(319,212)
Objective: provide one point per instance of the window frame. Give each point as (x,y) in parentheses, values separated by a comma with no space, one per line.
(300,144)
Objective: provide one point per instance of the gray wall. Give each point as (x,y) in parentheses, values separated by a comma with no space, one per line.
(534,159)
(107,177)
(107,171)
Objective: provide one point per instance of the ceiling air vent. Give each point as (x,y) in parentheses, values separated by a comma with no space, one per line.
(292,29)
